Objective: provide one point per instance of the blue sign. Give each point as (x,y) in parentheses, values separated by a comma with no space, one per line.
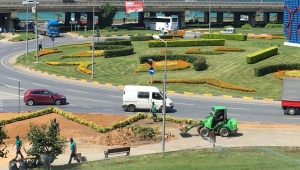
(151,70)
(291,27)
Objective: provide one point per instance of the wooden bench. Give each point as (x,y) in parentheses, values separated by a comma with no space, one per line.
(117,151)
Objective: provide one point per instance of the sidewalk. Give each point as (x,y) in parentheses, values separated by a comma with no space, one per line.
(245,137)
(8,36)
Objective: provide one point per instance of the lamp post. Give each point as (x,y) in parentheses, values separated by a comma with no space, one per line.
(36,35)
(27,28)
(209,16)
(164,93)
(93,42)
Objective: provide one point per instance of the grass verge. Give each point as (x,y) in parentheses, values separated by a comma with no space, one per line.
(22,37)
(1,37)
(119,32)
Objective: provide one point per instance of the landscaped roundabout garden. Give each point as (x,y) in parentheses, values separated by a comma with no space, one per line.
(215,64)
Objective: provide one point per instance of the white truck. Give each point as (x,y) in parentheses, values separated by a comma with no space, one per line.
(141,97)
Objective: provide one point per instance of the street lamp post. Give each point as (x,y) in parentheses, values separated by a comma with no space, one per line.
(209,16)
(164,93)
(93,42)
(36,34)
(27,28)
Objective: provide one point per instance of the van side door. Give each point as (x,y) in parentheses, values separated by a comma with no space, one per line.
(143,99)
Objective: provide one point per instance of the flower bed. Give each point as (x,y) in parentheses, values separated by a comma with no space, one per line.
(209,81)
(162,52)
(233,49)
(82,66)
(287,73)
(267,37)
(87,44)
(97,53)
(198,51)
(160,65)
(47,51)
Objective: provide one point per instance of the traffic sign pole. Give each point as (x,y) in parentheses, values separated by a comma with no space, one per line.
(151,72)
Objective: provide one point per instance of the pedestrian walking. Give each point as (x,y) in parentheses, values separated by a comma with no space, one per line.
(18,144)
(153,110)
(73,149)
(4,30)
(40,46)
(54,125)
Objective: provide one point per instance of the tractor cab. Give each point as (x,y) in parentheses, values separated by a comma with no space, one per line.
(220,111)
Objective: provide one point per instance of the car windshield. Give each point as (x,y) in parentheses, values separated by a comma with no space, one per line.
(51,92)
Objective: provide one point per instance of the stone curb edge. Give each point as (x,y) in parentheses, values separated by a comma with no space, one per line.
(168,91)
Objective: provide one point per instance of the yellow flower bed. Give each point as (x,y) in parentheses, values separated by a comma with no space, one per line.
(192,50)
(160,65)
(47,51)
(97,53)
(287,73)
(162,52)
(82,66)
(267,37)
(87,44)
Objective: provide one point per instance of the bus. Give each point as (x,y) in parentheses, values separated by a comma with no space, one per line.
(159,23)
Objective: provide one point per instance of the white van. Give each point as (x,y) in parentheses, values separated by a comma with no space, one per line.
(141,97)
(228,31)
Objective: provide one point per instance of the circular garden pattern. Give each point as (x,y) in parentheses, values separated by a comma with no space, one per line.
(287,73)
(160,65)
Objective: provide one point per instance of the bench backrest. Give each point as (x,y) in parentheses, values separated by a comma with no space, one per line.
(125,149)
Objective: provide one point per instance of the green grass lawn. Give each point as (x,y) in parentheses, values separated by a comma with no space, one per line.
(22,36)
(1,37)
(251,30)
(230,67)
(242,158)
(119,32)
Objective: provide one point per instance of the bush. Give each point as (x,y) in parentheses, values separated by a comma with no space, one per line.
(200,64)
(266,69)
(246,26)
(274,26)
(114,50)
(261,55)
(228,26)
(188,58)
(147,38)
(233,49)
(114,41)
(238,37)
(187,43)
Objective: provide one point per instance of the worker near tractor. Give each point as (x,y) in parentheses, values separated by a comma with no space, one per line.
(18,144)
(218,118)
(153,111)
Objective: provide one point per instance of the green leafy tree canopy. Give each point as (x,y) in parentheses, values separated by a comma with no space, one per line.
(109,13)
(3,134)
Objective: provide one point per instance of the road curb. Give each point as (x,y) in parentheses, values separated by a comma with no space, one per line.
(168,91)
(113,35)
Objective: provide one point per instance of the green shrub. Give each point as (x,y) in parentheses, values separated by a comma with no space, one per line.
(147,38)
(200,64)
(266,69)
(187,43)
(246,26)
(114,50)
(188,58)
(261,55)
(274,26)
(206,52)
(228,26)
(114,41)
(238,37)
(281,34)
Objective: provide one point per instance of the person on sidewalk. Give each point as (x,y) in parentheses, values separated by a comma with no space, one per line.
(4,30)
(18,144)
(153,110)
(73,151)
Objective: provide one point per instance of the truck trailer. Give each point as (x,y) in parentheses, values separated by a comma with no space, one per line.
(290,101)
(48,28)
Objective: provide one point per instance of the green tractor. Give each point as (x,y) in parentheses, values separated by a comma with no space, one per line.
(217,121)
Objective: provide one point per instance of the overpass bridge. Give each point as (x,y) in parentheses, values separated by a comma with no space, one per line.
(10,8)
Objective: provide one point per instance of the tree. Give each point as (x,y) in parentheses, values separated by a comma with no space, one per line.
(35,15)
(229,14)
(58,16)
(3,134)
(109,13)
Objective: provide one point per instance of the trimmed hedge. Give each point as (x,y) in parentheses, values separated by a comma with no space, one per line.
(274,26)
(114,50)
(188,58)
(187,43)
(147,38)
(261,55)
(238,37)
(115,41)
(266,69)
(200,64)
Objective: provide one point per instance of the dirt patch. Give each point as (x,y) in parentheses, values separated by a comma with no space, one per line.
(101,119)
(267,126)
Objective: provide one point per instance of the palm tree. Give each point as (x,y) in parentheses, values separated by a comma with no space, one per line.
(58,16)
(35,16)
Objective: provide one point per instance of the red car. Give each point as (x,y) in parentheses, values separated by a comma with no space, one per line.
(43,96)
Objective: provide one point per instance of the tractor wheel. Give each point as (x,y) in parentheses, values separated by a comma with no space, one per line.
(224,132)
(204,132)
(198,129)
(291,111)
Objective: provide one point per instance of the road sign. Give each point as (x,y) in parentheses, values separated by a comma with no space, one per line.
(151,70)
(73,22)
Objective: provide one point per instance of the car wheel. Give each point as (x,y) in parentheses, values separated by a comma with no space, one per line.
(204,132)
(131,108)
(224,132)
(291,111)
(30,103)
(57,102)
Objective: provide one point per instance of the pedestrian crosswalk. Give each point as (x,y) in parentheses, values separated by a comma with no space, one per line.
(8,96)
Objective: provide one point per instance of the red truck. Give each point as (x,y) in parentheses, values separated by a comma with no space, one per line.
(290,100)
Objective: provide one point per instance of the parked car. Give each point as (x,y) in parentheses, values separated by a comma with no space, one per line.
(43,96)
(228,31)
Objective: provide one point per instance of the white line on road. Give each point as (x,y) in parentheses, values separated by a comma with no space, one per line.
(16,48)
(184,104)
(234,108)
(21,89)
(2,50)
(233,115)
(98,100)
(77,91)
(8,94)
(86,107)
(40,85)
(109,110)
(13,79)
(291,118)
(72,105)
(115,96)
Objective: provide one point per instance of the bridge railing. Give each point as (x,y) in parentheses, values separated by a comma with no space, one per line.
(107,1)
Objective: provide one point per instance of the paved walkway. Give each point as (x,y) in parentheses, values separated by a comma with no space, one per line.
(245,137)
(8,36)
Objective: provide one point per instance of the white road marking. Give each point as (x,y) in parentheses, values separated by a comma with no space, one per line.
(40,85)
(2,50)
(77,91)
(21,89)
(8,94)
(72,105)
(86,107)
(115,96)
(13,79)
(109,110)
(233,115)
(98,100)
(291,118)
(16,48)
(183,104)
(234,108)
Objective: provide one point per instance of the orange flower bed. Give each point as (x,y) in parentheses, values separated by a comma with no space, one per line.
(267,37)
(284,73)
(160,65)
(162,52)
(192,50)
(209,81)
(47,51)
(223,48)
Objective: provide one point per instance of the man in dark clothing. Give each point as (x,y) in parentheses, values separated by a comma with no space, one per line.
(54,124)
(218,117)
(73,149)
(153,111)
(18,144)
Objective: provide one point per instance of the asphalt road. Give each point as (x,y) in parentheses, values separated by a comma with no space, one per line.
(91,98)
